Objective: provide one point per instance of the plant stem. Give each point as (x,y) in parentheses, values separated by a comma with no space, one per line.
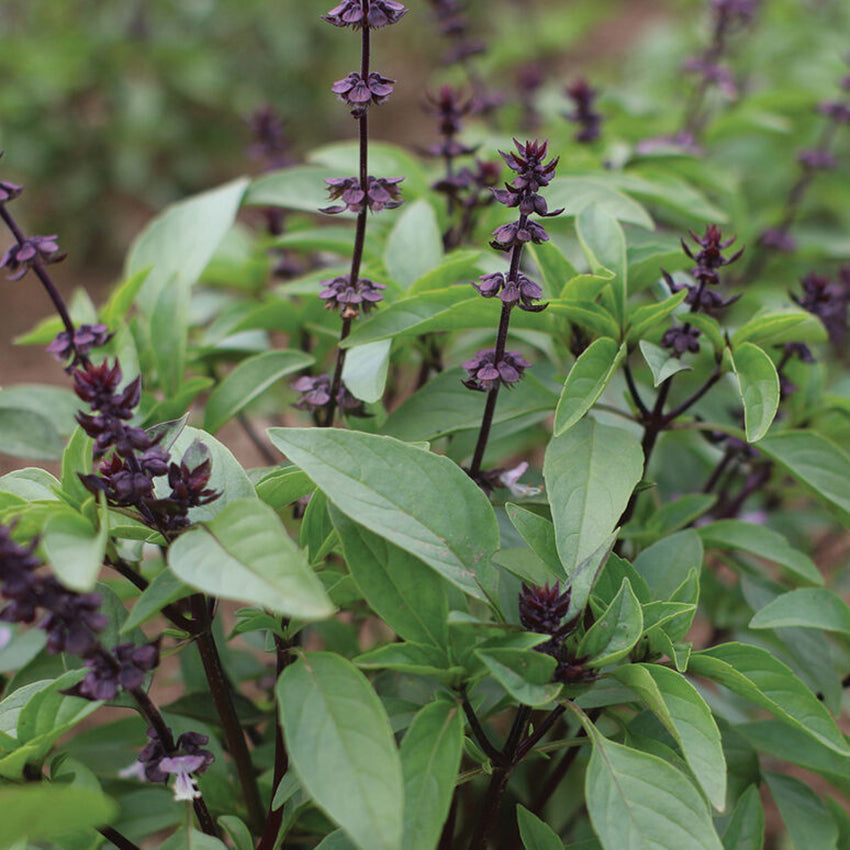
(499,780)
(478,730)
(38,268)
(114,837)
(274,819)
(360,233)
(220,691)
(528,744)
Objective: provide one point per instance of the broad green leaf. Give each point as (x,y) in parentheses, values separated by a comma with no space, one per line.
(284,486)
(587,380)
(179,243)
(169,332)
(660,363)
(753,673)
(539,533)
(745,830)
(460,266)
(75,549)
(420,501)
(816,463)
(415,245)
(604,245)
(685,715)
(590,472)
(576,194)
(524,673)
(637,800)
(648,316)
(555,268)
(760,541)
(364,372)
(30,484)
(663,189)
(336,840)
(299,188)
(711,330)
(774,327)
(191,839)
(59,404)
(680,512)
(594,317)
(245,554)
(615,631)
(419,659)
(341,745)
(121,299)
(250,379)
(175,406)
(444,405)
(44,811)
(30,435)
(163,590)
(412,315)
(408,596)
(430,757)
(758,384)
(535,833)
(667,563)
(808,608)
(807,818)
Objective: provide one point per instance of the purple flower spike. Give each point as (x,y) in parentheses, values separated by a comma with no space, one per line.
(584,114)
(339,294)
(358,93)
(485,373)
(22,256)
(381,193)
(381,13)
(86,337)
(9,191)
(681,338)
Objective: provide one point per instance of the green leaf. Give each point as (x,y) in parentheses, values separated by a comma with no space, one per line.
(163,590)
(758,384)
(70,808)
(176,247)
(604,245)
(685,715)
(760,541)
(576,194)
(645,318)
(30,484)
(710,328)
(667,563)
(29,435)
(430,757)
(539,533)
(807,818)
(415,245)
(121,299)
(638,800)
(774,327)
(246,554)
(808,608)
(284,486)
(408,596)
(815,462)
(169,331)
(535,834)
(680,512)
(300,188)
(191,839)
(615,631)
(587,380)
(524,673)
(745,830)
(554,267)
(341,745)
(60,404)
(660,363)
(590,472)
(250,379)
(460,266)
(594,317)
(444,405)
(419,659)
(364,372)
(75,549)
(378,482)
(753,673)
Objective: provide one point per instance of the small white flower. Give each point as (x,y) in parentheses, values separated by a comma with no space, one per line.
(184,787)
(136,770)
(510,478)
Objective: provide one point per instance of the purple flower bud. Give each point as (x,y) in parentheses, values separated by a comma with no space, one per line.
(9,191)
(584,114)
(381,13)
(358,93)
(681,338)
(778,240)
(86,337)
(339,294)
(542,609)
(22,256)
(817,159)
(381,193)
(486,374)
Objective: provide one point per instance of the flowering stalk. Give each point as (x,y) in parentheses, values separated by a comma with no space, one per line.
(492,368)
(584,113)
(360,194)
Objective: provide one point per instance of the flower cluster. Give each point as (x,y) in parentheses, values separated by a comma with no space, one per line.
(78,345)
(381,193)
(827,300)
(135,458)
(347,297)
(29,252)
(486,372)
(155,763)
(709,260)
(522,291)
(542,610)
(71,620)
(316,395)
(449,106)
(359,91)
(350,13)
(454,25)
(584,114)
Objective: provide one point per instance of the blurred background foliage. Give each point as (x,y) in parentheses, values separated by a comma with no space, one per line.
(108,111)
